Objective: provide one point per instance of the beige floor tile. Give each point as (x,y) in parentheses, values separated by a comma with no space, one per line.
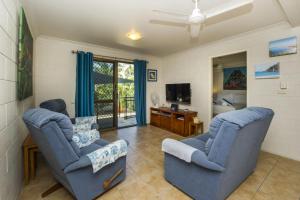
(281,183)
(275,178)
(113,194)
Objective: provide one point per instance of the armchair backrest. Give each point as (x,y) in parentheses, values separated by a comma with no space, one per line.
(55,105)
(238,135)
(52,132)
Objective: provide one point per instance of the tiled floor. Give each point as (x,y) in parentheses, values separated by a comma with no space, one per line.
(275,178)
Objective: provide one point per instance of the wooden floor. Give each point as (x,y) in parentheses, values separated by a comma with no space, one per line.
(275,178)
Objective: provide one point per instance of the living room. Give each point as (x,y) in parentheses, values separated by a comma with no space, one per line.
(159,105)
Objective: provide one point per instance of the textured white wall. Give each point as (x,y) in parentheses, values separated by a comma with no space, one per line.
(55,69)
(195,66)
(12,128)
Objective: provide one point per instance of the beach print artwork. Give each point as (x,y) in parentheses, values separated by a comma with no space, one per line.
(283,47)
(268,70)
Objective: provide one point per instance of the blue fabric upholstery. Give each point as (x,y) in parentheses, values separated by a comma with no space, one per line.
(55,105)
(236,141)
(69,165)
(196,143)
(59,105)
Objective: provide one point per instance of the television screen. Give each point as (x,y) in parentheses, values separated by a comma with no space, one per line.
(179,93)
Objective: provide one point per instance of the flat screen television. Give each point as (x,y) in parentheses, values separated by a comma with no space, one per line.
(179,93)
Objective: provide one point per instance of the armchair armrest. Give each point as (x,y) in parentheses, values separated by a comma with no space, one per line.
(83,162)
(189,154)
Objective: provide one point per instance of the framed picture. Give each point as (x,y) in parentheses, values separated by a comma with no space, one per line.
(283,47)
(235,78)
(152,75)
(25,58)
(267,70)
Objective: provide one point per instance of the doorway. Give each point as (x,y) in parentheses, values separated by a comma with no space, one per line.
(114,94)
(229,83)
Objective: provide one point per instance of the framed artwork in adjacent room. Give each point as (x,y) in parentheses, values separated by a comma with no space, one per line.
(152,75)
(235,78)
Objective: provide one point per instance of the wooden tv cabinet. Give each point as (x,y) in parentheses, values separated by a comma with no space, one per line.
(174,121)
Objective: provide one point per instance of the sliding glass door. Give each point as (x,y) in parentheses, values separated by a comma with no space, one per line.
(114,94)
(126,102)
(105,100)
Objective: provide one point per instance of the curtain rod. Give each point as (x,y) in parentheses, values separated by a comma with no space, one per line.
(107,57)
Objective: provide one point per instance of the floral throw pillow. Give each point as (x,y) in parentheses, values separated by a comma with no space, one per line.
(83,139)
(81,128)
(86,120)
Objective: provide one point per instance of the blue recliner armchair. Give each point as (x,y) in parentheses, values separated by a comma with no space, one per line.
(213,165)
(68,163)
(59,105)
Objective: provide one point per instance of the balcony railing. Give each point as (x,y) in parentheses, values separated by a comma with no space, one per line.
(126,107)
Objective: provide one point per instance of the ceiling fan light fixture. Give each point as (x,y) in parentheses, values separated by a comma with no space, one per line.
(194,30)
(134,35)
(196,17)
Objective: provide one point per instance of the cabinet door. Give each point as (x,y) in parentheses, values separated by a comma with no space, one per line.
(178,126)
(165,122)
(155,119)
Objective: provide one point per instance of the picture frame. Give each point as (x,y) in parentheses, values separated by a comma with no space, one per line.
(152,75)
(235,78)
(267,70)
(282,47)
(25,59)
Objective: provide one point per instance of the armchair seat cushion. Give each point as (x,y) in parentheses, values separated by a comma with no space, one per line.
(83,139)
(89,149)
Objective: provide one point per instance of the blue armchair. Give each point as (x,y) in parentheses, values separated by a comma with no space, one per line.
(59,105)
(69,164)
(213,165)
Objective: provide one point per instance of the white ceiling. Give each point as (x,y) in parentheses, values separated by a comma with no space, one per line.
(106,22)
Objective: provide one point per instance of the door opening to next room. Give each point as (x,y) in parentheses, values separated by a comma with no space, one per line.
(229,83)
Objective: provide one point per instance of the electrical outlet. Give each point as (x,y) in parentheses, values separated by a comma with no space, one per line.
(283,85)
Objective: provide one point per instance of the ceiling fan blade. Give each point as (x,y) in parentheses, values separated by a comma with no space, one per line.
(168,23)
(228,11)
(171,13)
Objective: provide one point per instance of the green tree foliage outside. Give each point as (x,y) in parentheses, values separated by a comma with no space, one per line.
(104,90)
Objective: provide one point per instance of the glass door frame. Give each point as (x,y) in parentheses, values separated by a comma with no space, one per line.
(115,91)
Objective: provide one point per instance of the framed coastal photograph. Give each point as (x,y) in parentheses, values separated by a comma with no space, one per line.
(267,70)
(25,59)
(235,78)
(283,47)
(152,75)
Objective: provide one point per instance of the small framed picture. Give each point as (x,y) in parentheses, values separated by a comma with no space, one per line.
(152,75)
(283,47)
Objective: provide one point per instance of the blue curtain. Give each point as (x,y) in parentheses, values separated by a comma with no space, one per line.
(140,91)
(84,102)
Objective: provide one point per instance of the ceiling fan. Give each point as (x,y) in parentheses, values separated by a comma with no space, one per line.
(198,19)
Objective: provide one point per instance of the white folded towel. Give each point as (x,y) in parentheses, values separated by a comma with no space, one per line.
(178,149)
